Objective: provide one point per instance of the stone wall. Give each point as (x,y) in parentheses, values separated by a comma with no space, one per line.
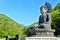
(42,38)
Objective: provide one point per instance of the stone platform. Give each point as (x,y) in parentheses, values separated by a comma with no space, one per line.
(39,32)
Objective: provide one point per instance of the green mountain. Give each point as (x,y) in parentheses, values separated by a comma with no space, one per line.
(9,27)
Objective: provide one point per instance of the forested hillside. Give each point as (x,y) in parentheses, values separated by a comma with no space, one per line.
(9,27)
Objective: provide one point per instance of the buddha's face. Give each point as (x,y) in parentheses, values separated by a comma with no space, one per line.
(44,10)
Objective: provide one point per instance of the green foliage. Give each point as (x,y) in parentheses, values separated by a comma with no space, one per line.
(56,19)
(33,24)
(27,31)
(57,7)
(3,33)
(28,27)
(10,27)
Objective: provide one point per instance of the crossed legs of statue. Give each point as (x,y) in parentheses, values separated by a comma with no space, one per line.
(45,26)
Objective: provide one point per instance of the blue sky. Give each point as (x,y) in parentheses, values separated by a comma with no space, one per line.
(24,11)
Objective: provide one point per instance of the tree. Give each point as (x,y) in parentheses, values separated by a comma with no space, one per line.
(56,19)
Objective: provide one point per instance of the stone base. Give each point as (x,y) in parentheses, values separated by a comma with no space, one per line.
(38,32)
(42,38)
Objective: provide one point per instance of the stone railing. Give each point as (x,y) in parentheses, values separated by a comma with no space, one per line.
(42,38)
(32,38)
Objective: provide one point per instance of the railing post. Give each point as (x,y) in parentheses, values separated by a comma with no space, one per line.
(7,37)
(17,37)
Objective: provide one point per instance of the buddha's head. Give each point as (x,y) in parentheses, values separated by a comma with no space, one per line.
(43,9)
